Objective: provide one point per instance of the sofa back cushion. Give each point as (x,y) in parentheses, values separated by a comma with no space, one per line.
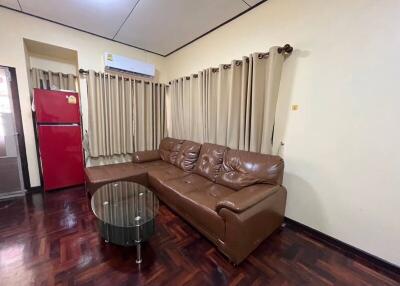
(188,155)
(210,160)
(169,148)
(241,169)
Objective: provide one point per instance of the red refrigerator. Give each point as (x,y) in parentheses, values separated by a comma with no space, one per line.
(58,124)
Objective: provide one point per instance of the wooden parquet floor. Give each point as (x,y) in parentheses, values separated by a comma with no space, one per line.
(51,239)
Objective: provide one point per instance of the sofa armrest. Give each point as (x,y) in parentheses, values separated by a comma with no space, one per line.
(247,197)
(245,230)
(145,156)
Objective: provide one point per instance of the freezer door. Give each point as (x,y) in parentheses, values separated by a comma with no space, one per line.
(61,156)
(56,106)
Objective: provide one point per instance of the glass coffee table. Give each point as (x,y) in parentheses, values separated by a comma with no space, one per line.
(125,213)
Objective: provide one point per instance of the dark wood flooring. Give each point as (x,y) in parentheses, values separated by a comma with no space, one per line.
(51,239)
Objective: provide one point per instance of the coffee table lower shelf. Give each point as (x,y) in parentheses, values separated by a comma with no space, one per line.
(127,236)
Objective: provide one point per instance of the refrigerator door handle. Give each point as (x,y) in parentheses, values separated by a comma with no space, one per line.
(63,125)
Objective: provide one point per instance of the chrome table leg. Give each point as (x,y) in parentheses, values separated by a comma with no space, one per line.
(138,247)
(138,254)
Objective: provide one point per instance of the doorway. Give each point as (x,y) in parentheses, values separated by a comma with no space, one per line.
(11,134)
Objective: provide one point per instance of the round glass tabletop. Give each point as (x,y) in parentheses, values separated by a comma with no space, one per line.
(124,204)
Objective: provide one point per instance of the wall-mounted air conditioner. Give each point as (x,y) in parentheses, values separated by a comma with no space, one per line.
(120,63)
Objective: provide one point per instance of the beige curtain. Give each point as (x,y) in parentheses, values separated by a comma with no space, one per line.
(233,105)
(125,114)
(194,106)
(53,80)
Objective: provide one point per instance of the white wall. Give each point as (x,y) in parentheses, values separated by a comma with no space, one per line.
(342,146)
(14,27)
(46,63)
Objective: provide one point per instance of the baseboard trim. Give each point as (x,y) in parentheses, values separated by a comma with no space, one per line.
(12,195)
(355,253)
(37,189)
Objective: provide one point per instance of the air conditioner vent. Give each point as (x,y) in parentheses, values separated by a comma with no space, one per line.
(123,64)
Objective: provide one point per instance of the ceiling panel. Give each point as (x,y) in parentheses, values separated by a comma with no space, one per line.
(159,26)
(252,2)
(101,17)
(165,25)
(10,3)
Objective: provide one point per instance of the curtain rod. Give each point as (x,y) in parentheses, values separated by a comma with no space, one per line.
(286,49)
(85,72)
(55,73)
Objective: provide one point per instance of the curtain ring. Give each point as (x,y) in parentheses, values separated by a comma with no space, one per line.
(263,55)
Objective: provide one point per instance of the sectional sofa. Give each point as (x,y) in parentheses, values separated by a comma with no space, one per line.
(234,198)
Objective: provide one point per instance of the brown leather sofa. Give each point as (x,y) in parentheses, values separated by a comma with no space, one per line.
(235,198)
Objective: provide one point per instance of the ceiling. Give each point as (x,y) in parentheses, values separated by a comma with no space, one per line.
(158,26)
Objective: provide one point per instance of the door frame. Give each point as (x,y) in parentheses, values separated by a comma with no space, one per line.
(19,127)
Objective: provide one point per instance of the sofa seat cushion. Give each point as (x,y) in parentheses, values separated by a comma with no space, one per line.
(200,205)
(113,172)
(169,149)
(195,197)
(169,187)
(242,168)
(153,165)
(164,174)
(209,195)
(210,160)
(188,155)
(185,184)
